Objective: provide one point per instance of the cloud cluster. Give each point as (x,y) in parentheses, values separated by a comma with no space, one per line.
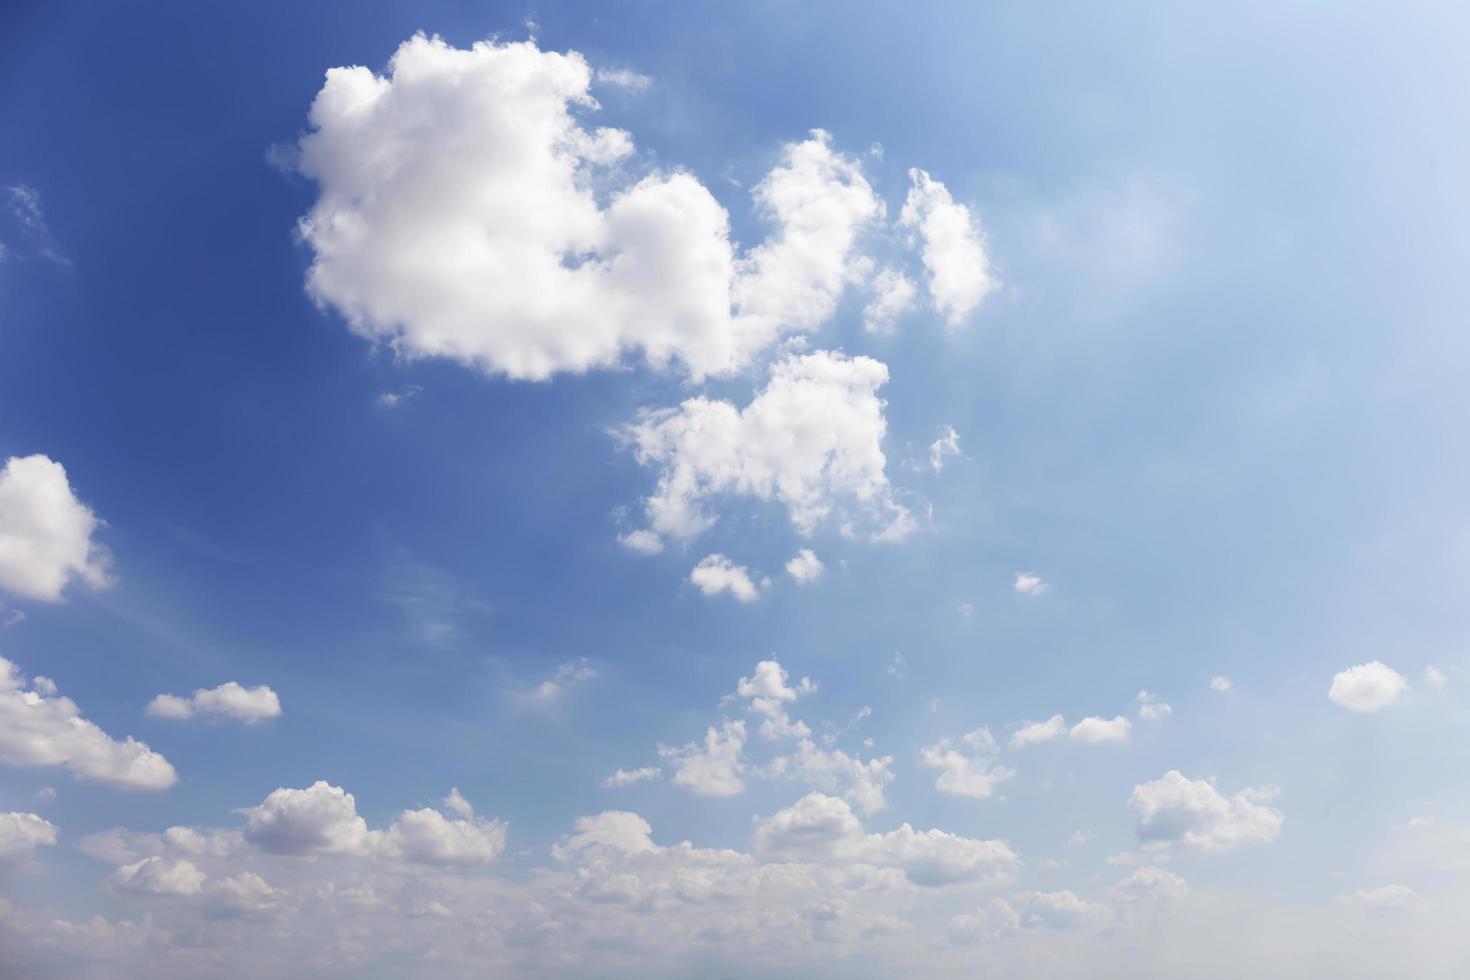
(45,532)
(38,727)
(1192,813)
(966,765)
(252,705)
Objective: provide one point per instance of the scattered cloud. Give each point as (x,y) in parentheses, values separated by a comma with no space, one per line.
(1036,732)
(966,764)
(711,768)
(716,573)
(627,777)
(252,705)
(624,78)
(1220,683)
(567,676)
(805,567)
(1192,813)
(1095,729)
(1151,707)
(893,295)
(642,541)
(1385,897)
(45,532)
(24,203)
(1368,687)
(947,445)
(21,834)
(953,247)
(1030,584)
(392,399)
(1434,677)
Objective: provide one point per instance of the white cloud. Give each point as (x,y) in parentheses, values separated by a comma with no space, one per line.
(1192,813)
(1036,732)
(320,818)
(1148,890)
(714,768)
(1368,687)
(1151,707)
(465,211)
(41,730)
(627,777)
(966,765)
(45,532)
(1220,683)
(21,834)
(456,803)
(812,440)
(1030,584)
(893,295)
(567,676)
(768,692)
(1434,677)
(1094,729)
(862,783)
(624,78)
(716,573)
(823,830)
(426,836)
(158,876)
(948,444)
(392,399)
(953,247)
(252,705)
(643,541)
(1383,898)
(805,567)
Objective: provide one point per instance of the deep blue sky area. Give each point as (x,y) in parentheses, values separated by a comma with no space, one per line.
(1214,402)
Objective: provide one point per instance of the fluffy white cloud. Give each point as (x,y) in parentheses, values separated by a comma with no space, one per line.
(1094,729)
(45,532)
(812,440)
(320,818)
(1192,813)
(861,782)
(643,541)
(893,295)
(947,445)
(21,834)
(713,768)
(823,830)
(159,876)
(805,566)
(1220,683)
(41,730)
(1151,707)
(627,777)
(1368,687)
(953,247)
(1036,732)
(769,692)
(426,836)
(716,573)
(966,766)
(465,211)
(1029,583)
(252,705)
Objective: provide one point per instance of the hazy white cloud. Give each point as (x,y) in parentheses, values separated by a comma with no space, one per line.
(567,676)
(805,566)
(643,541)
(1192,813)
(45,532)
(768,692)
(627,777)
(713,768)
(39,728)
(811,440)
(953,247)
(392,399)
(1036,732)
(1151,707)
(716,573)
(465,211)
(947,445)
(1095,729)
(158,876)
(966,765)
(863,783)
(623,78)
(1220,683)
(252,705)
(966,610)
(1434,677)
(1382,898)
(1030,584)
(1368,687)
(21,834)
(24,202)
(893,295)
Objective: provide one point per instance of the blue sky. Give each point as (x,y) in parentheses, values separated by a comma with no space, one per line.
(358,407)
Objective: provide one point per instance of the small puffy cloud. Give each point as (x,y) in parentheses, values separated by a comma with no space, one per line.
(42,729)
(320,818)
(1386,897)
(805,567)
(1220,683)
(627,777)
(947,445)
(624,78)
(1095,729)
(811,440)
(45,532)
(252,705)
(567,676)
(965,765)
(716,573)
(1036,732)
(465,211)
(158,876)
(21,834)
(893,295)
(1151,707)
(771,682)
(1192,813)
(426,836)
(1368,687)
(953,247)
(863,783)
(245,895)
(1434,677)
(1030,584)
(615,830)
(714,767)
(642,541)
